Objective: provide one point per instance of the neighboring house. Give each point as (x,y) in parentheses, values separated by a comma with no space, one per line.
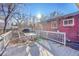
(54,23)
(46,26)
(68,23)
(50,25)
(2,23)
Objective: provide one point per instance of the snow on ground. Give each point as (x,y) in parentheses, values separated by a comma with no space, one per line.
(33,50)
(15,51)
(58,49)
(44,48)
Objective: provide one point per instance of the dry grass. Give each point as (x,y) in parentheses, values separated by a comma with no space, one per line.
(17,41)
(21,41)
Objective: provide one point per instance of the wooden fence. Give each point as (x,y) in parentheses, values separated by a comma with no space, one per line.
(55,36)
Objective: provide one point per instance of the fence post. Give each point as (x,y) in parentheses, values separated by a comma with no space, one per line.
(47,35)
(64,39)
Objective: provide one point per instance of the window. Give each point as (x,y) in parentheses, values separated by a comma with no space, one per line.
(68,22)
(65,22)
(54,25)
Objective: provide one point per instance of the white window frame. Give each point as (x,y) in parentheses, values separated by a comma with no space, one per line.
(68,20)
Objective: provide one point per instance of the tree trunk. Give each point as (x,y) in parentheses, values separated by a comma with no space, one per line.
(5,24)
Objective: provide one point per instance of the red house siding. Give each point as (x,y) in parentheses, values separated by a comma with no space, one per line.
(71,31)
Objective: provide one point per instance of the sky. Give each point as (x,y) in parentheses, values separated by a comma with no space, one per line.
(47,8)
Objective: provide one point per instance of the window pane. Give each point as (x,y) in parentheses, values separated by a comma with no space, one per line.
(70,21)
(65,22)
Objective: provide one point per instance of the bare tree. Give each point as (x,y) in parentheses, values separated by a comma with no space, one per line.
(55,14)
(7,11)
(77,5)
(20,18)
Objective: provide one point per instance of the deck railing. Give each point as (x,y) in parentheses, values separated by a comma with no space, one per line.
(5,39)
(7,36)
(55,36)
